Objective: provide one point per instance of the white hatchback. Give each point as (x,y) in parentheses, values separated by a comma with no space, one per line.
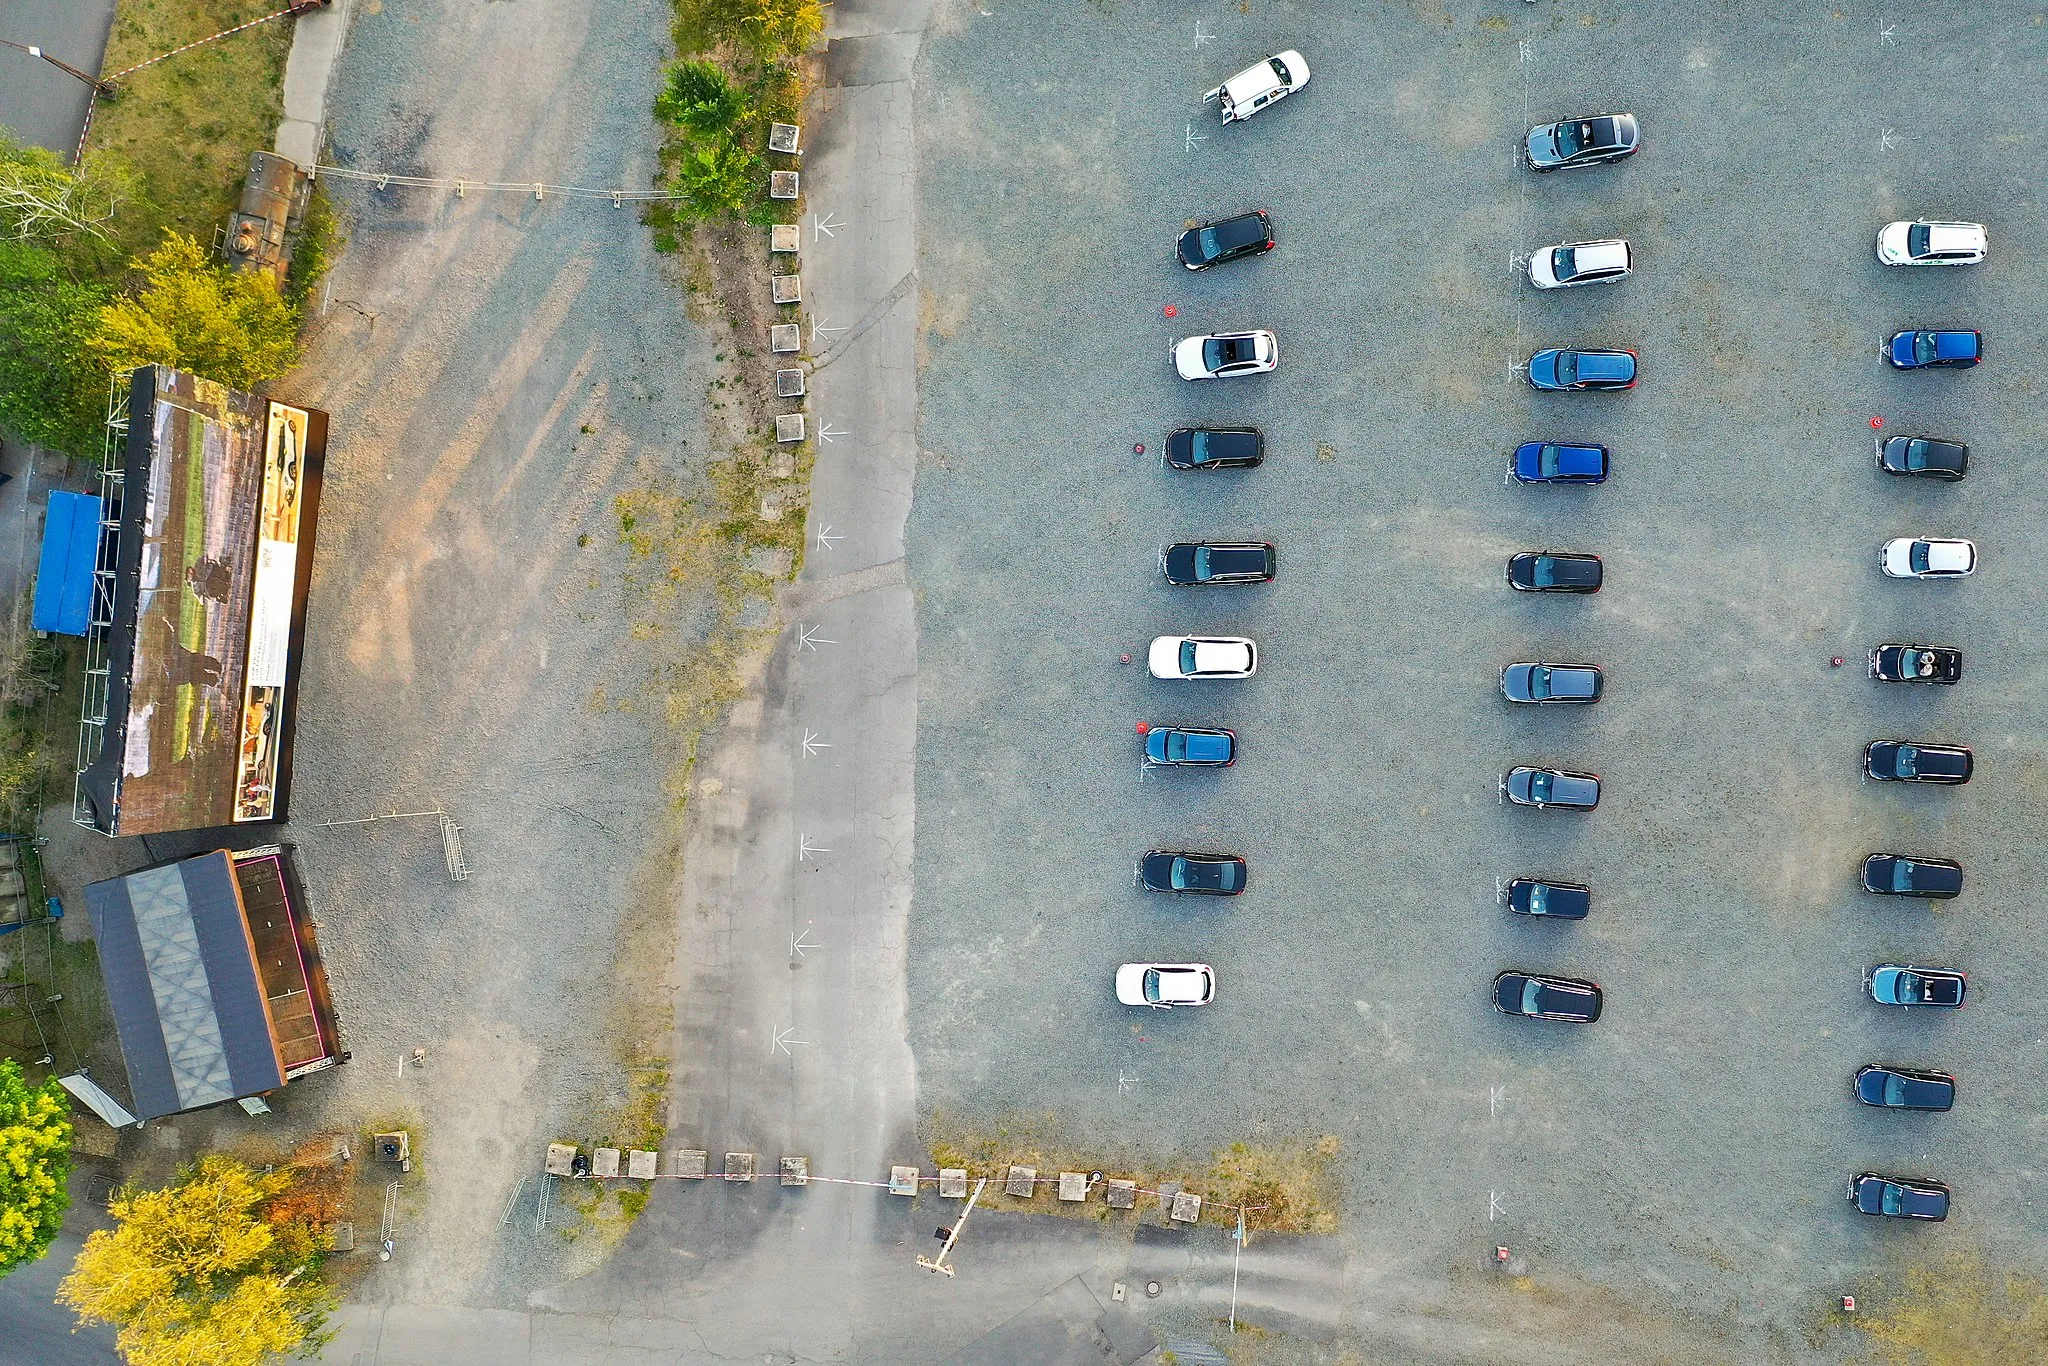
(1222,355)
(1580,263)
(1165,985)
(1203,657)
(1927,557)
(1260,84)
(1925,243)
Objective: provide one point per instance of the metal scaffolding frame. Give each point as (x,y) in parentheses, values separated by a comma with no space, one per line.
(92,718)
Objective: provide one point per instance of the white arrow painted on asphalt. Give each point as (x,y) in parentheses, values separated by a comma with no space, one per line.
(1194,137)
(798,945)
(782,1040)
(817,327)
(1887,141)
(1124,1084)
(812,744)
(826,536)
(805,849)
(829,433)
(807,638)
(825,225)
(1493,1206)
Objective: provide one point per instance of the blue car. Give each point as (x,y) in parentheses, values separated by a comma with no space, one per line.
(1557,369)
(1181,745)
(1893,985)
(1920,349)
(1553,462)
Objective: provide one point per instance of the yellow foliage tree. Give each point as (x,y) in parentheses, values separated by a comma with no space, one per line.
(196,1274)
(198,315)
(35,1158)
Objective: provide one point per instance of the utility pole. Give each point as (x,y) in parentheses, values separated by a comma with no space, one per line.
(938,1264)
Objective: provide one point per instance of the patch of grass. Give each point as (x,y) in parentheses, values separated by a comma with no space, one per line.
(320,241)
(1958,1312)
(188,124)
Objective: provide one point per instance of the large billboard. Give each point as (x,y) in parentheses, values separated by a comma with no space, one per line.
(213,561)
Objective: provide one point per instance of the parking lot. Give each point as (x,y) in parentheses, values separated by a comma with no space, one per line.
(1686,1155)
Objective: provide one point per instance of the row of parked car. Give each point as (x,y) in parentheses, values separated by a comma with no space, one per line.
(1940,764)
(1210,564)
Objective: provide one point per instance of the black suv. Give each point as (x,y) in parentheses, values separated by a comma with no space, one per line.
(1215,448)
(1935,879)
(1199,562)
(1923,456)
(1554,571)
(1211,244)
(1902,761)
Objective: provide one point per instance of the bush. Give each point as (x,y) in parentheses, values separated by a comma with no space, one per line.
(53,387)
(319,239)
(225,325)
(700,98)
(35,1159)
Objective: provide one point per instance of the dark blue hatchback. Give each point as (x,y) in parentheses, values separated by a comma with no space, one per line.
(1564,369)
(1554,462)
(1920,349)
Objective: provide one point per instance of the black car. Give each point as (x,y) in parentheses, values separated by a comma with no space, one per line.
(1902,761)
(1900,1197)
(1924,456)
(1211,244)
(1164,870)
(1581,142)
(1905,1088)
(1541,896)
(1916,664)
(1197,562)
(1547,787)
(1546,683)
(1936,879)
(1538,997)
(1215,448)
(1554,571)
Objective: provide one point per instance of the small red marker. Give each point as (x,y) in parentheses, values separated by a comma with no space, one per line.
(1837,662)
(1171,311)
(1126,659)
(1138,449)
(1876,424)
(1144,727)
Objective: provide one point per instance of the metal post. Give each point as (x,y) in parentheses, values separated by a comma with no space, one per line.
(939,1264)
(1235,1257)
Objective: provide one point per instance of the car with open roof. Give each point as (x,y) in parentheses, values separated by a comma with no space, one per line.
(1588,140)
(1899,663)
(1896,984)
(1226,355)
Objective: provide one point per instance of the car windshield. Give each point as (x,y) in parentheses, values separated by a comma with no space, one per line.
(1151,984)
(1907,764)
(1562,264)
(1570,137)
(1540,784)
(1204,562)
(1902,875)
(1895,1090)
(1539,899)
(1539,681)
(1176,746)
(1567,367)
(1280,70)
(1545,572)
(1919,238)
(1210,247)
(1532,996)
(1187,656)
(1923,348)
(1910,988)
(1549,461)
(1918,557)
(1894,1198)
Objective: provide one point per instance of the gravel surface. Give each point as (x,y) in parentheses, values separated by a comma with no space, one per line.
(1671,1177)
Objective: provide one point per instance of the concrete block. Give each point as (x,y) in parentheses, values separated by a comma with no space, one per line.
(782,184)
(796,1171)
(953,1183)
(782,138)
(1023,1182)
(689,1163)
(1122,1194)
(785,338)
(604,1161)
(561,1159)
(640,1164)
(1187,1209)
(902,1180)
(1073,1186)
(785,236)
(786,289)
(739,1166)
(789,384)
(789,427)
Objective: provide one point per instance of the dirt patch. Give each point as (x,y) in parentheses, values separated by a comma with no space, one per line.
(1959,1312)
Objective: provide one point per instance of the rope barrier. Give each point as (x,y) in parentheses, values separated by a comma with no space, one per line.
(226,32)
(1207,1203)
(386,179)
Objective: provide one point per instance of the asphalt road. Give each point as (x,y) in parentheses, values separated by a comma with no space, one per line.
(1671,1177)
(40,104)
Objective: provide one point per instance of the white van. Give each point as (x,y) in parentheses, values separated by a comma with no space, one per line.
(1259,85)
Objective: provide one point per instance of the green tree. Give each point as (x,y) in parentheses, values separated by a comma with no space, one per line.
(53,384)
(723,178)
(212,1270)
(35,1161)
(198,315)
(700,98)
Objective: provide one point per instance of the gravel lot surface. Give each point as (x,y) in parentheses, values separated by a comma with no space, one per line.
(1674,1173)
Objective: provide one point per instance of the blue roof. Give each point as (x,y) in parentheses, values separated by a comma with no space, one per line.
(1955,345)
(1606,365)
(71,543)
(1209,748)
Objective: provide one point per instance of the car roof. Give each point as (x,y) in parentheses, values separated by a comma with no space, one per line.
(1182,984)
(1606,364)
(1256,80)
(1948,237)
(1943,554)
(1219,654)
(1948,344)
(1604,255)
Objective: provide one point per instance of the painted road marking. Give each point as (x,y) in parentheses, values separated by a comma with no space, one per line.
(806,850)
(812,744)
(828,225)
(807,637)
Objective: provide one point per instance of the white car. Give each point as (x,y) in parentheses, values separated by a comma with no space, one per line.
(1927,557)
(1580,263)
(1924,243)
(1260,84)
(1165,985)
(1203,657)
(1220,355)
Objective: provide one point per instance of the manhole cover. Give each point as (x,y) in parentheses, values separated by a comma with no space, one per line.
(1152,1290)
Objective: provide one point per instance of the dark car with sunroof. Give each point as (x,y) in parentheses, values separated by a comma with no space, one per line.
(1215,448)
(1547,683)
(1231,239)
(1213,562)
(1905,1088)
(1538,996)
(1899,1197)
(1548,897)
(1543,787)
(1559,462)
(1916,664)
(1903,761)
(1167,870)
(1936,879)
(1190,747)
(1554,571)
(1569,370)
(1926,457)
(1587,141)
(1925,348)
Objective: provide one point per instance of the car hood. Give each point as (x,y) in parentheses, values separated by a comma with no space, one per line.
(1902,348)
(1514,681)
(1891,241)
(1165,657)
(1187,355)
(1130,984)
(1541,145)
(1543,367)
